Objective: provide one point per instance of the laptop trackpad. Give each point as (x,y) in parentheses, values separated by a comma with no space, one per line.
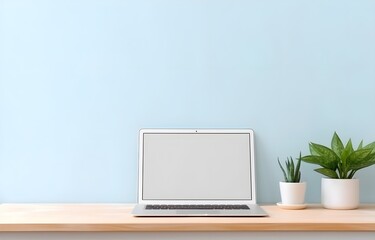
(200,212)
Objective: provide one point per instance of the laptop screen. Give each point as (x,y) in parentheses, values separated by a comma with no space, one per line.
(196,166)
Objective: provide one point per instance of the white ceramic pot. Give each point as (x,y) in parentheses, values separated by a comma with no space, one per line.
(292,193)
(340,193)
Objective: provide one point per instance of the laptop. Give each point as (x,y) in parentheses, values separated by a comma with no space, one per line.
(196,172)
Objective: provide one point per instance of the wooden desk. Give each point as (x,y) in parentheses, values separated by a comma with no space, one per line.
(117,218)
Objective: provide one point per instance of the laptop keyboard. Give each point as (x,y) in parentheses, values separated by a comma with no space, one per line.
(197,207)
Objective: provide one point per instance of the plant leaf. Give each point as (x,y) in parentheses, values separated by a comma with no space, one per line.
(285,177)
(351,174)
(312,159)
(340,170)
(359,163)
(312,150)
(319,160)
(360,146)
(349,145)
(336,144)
(327,172)
(298,167)
(320,150)
(370,146)
(291,170)
(298,178)
(328,159)
(359,157)
(346,152)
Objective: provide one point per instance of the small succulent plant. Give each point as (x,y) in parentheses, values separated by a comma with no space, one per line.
(291,172)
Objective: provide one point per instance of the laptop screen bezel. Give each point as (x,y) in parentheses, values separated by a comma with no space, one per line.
(142,133)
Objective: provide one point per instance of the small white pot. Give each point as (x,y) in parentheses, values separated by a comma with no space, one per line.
(340,193)
(292,193)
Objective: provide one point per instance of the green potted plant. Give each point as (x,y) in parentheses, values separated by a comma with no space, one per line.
(339,163)
(292,191)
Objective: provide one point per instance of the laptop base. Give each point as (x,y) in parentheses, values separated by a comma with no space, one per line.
(254,211)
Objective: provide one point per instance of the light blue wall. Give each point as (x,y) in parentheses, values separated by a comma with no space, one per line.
(78,79)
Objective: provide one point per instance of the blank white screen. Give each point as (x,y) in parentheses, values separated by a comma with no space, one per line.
(196,166)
